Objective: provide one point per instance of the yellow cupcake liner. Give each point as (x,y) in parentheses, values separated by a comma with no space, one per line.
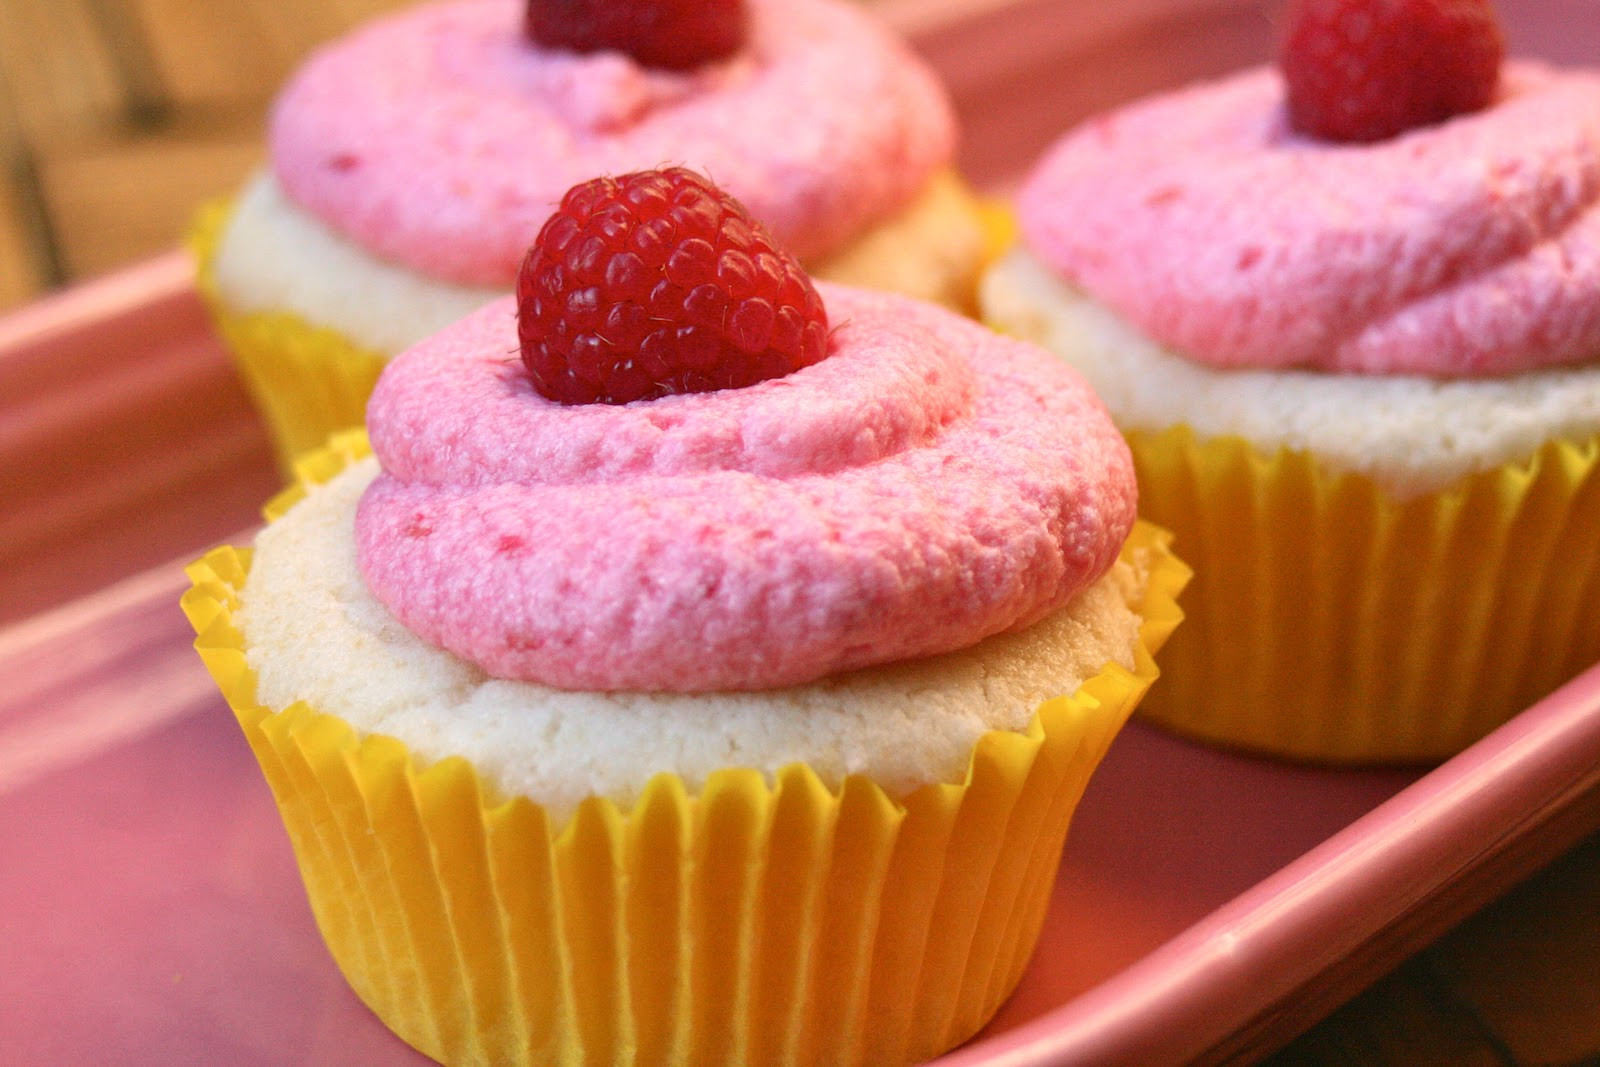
(308,381)
(1000,228)
(1330,621)
(744,922)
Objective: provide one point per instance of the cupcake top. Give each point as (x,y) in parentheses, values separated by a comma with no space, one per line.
(926,485)
(441,137)
(1468,248)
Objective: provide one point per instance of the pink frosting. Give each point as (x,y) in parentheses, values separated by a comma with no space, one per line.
(1470,248)
(926,485)
(441,139)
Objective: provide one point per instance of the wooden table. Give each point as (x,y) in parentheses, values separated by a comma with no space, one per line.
(117,117)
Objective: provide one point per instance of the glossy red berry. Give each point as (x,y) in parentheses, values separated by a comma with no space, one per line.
(659,282)
(673,34)
(1364,70)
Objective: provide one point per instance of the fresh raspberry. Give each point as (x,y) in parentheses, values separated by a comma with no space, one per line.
(673,34)
(1364,70)
(659,282)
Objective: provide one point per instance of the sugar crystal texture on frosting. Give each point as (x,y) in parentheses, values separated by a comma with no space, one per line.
(1468,248)
(925,486)
(441,139)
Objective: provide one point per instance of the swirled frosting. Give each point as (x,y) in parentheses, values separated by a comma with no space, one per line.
(926,485)
(440,138)
(1468,248)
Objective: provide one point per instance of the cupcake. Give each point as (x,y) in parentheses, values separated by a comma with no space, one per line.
(1352,331)
(412,162)
(739,722)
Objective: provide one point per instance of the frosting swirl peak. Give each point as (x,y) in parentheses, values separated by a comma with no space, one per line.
(440,138)
(1466,249)
(925,486)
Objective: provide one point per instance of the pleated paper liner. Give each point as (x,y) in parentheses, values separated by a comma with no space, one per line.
(744,922)
(1329,621)
(1000,228)
(307,381)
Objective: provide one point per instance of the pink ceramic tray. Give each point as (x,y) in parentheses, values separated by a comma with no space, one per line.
(1209,906)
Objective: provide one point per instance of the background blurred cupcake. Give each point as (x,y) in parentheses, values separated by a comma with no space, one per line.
(1349,316)
(414,160)
(732,712)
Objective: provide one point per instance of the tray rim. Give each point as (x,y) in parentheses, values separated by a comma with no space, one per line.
(89,306)
(1425,841)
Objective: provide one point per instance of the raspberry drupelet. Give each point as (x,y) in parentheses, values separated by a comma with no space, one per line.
(658,282)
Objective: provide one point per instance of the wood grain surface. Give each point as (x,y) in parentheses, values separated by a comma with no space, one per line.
(118,117)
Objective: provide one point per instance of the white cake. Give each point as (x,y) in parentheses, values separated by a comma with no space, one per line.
(315,633)
(1411,435)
